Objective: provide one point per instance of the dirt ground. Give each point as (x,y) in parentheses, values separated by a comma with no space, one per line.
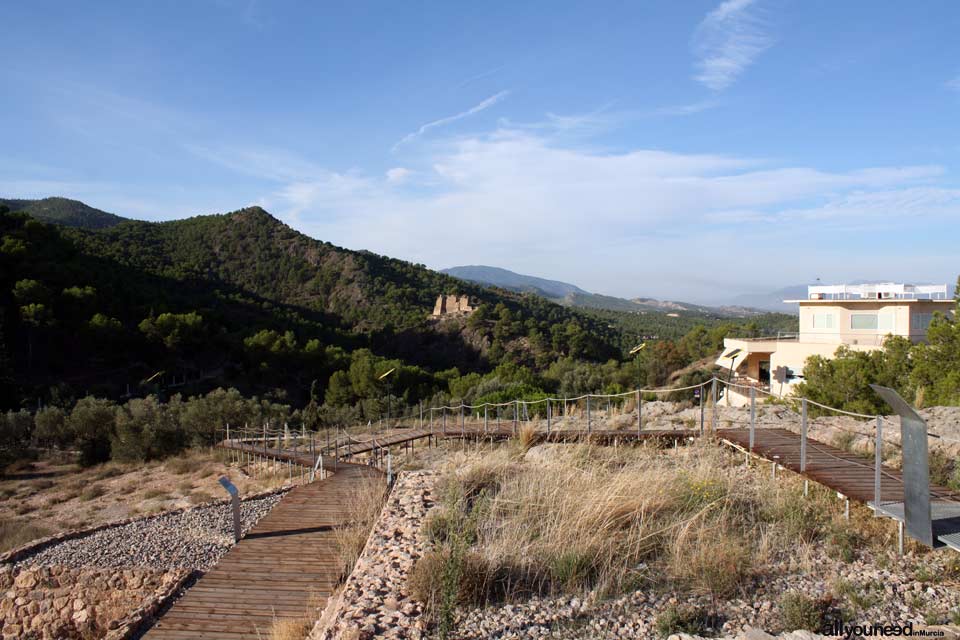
(50,495)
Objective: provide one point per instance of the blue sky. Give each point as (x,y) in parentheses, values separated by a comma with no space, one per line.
(686,150)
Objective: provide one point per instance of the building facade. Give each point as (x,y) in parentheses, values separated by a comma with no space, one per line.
(859,317)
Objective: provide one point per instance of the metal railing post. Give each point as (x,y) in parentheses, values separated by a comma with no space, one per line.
(589,423)
(877,461)
(639,412)
(462,422)
(548,415)
(713,402)
(753,415)
(485,418)
(803,435)
(516,415)
(700,395)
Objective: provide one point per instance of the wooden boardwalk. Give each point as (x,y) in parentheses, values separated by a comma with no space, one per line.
(597,436)
(842,471)
(285,567)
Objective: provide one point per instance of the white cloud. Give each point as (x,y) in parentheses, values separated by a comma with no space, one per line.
(953,84)
(398,175)
(727,41)
(529,199)
(486,104)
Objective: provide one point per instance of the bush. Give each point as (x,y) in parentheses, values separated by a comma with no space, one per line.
(450,574)
(682,619)
(438,526)
(843,543)
(146,429)
(91,426)
(51,427)
(801,612)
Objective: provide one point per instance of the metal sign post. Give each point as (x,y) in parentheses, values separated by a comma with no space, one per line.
(916,467)
(235,502)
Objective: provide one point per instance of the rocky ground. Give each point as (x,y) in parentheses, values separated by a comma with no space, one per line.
(890,595)
(192,539)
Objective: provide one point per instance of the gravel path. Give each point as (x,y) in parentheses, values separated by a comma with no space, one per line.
(194,539)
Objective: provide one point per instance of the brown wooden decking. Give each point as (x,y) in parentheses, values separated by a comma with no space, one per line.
(844,472)
(284,567)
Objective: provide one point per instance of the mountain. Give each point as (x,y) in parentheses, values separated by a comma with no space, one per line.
(505,279)
(573,296)
(243,300)
(62,211)
(773,300)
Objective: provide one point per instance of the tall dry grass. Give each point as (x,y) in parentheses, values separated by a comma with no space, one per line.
(571,518)
(364,504)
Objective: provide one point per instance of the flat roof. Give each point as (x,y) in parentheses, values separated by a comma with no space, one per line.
(843,301)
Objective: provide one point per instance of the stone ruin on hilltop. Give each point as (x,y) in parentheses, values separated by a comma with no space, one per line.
(453,304)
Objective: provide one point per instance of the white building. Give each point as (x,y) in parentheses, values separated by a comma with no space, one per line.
(857,316)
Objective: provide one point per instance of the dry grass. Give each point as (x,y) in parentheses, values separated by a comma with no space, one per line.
(290,628)
(15,533)
(527,437)
(364,505)
(572,518)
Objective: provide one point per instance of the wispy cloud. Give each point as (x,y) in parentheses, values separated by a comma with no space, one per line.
(481,76)
(486,104)
(727,41)
(953,84)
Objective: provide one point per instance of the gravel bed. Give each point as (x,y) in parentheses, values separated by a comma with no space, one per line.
(193,539)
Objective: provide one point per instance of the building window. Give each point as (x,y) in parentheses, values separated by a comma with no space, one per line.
(823,320)
(920,322)
(864,321)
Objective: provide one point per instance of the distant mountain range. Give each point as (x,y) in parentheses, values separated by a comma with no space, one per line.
(65,212)
(573,296)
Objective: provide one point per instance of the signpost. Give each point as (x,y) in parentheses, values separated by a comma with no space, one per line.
(235,502)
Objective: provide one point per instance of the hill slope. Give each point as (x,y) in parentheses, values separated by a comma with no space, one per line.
(210,300)
(63,211)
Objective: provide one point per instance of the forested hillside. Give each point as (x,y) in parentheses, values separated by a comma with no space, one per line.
(164,318)
(63,211)
(241,299)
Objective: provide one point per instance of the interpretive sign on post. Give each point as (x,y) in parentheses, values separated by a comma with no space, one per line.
(235,502)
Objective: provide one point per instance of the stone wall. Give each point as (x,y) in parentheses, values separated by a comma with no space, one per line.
(59,602)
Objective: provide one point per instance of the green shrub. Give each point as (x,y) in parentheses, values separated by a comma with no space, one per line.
(801,612)
(572,570)
(438,525)
(843,543)
(682,619)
